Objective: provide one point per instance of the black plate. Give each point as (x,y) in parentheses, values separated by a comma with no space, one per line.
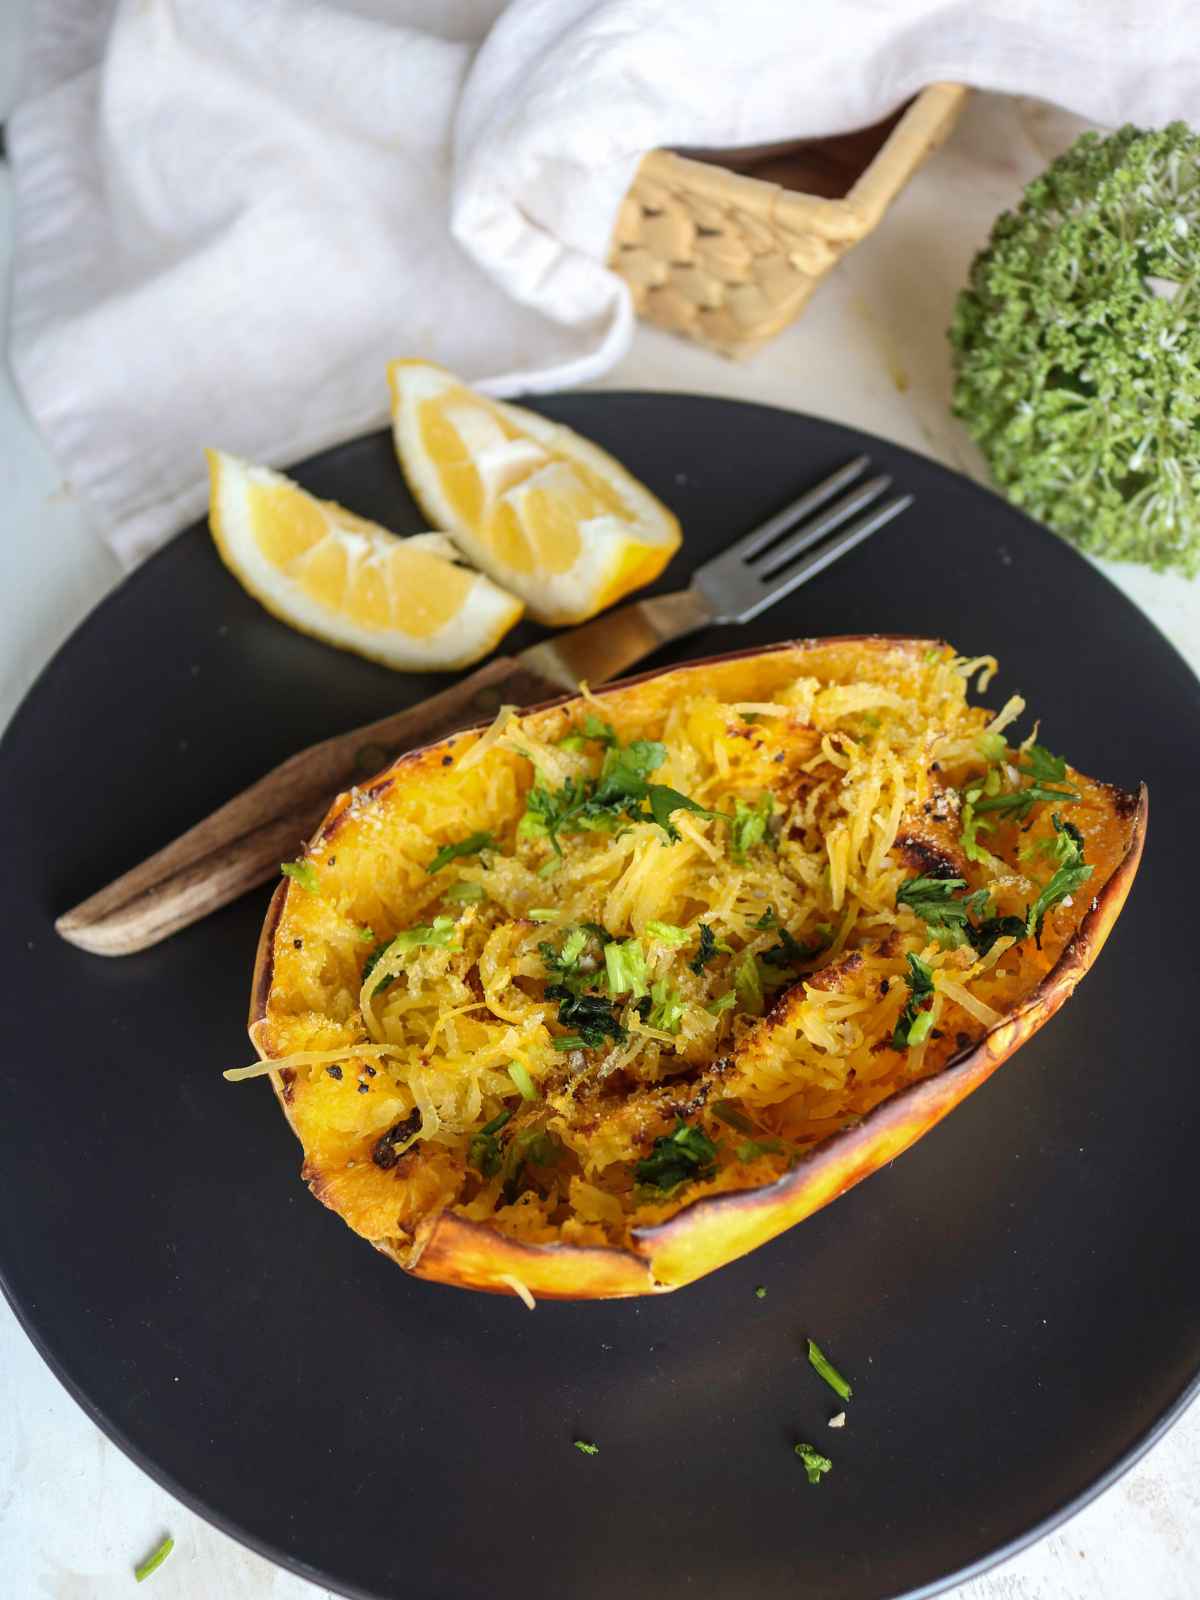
(1016,1300)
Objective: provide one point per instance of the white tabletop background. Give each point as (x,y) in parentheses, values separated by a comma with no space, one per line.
(75,1515)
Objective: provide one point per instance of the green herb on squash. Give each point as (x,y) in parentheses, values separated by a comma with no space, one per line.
(687,1153)
(1073,871)
(483,1151)
(473,845)
(916,1019)
(303,873)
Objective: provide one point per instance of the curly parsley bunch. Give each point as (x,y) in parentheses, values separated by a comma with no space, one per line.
(1077,347)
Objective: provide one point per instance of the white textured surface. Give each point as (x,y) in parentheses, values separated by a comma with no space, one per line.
(75,1515)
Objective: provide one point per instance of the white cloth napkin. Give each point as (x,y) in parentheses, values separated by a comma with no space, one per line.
(232,213)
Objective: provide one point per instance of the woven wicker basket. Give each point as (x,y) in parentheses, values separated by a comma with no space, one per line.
(727,249)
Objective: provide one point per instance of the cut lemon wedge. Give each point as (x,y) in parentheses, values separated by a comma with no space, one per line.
(333,575)
(546,513)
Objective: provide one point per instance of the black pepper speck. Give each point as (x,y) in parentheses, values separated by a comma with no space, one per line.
(364,1088)
(297,944)
(370,1071)
(447,761)
(335,1073)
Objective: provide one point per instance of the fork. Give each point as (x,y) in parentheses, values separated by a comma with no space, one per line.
(241,845)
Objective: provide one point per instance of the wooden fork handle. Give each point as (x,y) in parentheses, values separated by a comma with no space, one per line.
(243,844)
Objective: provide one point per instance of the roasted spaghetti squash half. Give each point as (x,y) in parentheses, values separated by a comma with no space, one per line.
(597,999)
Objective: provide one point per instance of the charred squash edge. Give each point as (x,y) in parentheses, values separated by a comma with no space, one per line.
(709,1232)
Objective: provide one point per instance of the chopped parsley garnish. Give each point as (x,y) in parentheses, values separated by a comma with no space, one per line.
(541,914)
(1042,765)
(993,748)
(709,947)
(668,933)
(1018,803)
(789,952)
(484,1152)
(586,1447)
(821,1364)
(815,1464)
(760,1293)
(933,900)
(470,846)
(531,1147)
(948,915)
(592,727)
(729,1113)
(304,873)
(1072,872)
(748,984)
(625,967)
(983,935)
(549,810)
(590,1017)
(565,960)
(748,825)
(154,1560)
(622,793)
(625,769)
(915,1021)
(664,801)
(749,1149)
(665,1009)
(519,1073)
(465,893)
(676,1158)
(972,826)
(439,935)
(723,1002)
(768,919)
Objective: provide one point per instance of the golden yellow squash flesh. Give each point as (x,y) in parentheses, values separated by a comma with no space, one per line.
(593,1001)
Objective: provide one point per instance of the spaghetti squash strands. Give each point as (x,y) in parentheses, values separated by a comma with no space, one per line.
(686,968)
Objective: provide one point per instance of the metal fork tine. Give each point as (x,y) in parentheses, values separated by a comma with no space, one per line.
(758,539)
(824,555)
(841,511)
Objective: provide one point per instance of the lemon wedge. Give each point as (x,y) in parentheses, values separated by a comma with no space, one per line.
(546,513)
(318,567)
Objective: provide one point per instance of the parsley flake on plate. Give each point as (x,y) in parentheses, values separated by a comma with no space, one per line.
(815,1464)
(821,1364)
(154,1560)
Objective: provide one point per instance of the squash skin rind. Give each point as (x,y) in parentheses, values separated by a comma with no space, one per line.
(712,1231)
